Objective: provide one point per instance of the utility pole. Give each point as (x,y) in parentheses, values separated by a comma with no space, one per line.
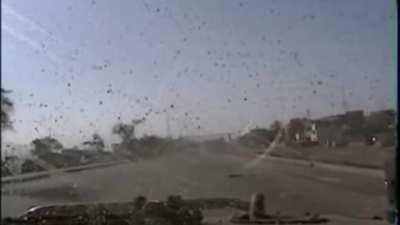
(344,102)
(168,125)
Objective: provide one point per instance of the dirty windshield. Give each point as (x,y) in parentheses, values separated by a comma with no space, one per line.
(251,111)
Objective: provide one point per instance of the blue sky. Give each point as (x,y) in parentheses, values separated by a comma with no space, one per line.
(78,67)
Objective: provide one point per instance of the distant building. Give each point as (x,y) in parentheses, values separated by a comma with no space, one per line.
(339,120)
(380,124)
(77,156)
(331,134)
(354,119)
(328,130)
(382,118)
(310,131)
(300,130)
(341,129)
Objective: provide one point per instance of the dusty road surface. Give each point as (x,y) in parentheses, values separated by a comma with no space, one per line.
(289,188)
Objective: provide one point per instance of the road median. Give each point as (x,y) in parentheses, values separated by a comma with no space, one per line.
(44,174)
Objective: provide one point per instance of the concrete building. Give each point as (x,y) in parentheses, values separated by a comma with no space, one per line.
(301,130)
(310,131)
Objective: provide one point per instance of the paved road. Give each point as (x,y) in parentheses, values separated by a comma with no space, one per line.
(289,188)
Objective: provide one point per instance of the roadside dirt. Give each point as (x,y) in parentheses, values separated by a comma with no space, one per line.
(357,156)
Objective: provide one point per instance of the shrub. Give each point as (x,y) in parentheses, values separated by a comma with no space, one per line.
(173,212)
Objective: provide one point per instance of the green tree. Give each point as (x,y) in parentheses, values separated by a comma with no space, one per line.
(7,106)
(295,126)
(126,131)
(276,126)
(42,146)
(97,143)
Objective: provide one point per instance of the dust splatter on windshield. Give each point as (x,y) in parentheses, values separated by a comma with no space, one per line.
(104,101)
